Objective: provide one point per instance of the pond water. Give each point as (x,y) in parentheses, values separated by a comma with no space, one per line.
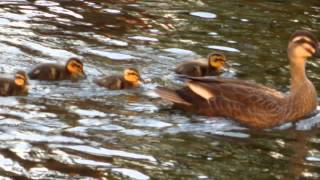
(80,131)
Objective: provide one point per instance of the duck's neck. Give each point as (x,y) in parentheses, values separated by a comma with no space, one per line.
(303,97)
(298,74)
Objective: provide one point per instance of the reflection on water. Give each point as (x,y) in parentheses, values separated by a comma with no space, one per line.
(81,131)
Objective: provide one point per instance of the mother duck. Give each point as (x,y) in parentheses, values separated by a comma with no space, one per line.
(253,105)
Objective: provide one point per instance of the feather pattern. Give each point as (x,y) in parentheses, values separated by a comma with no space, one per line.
(251,104)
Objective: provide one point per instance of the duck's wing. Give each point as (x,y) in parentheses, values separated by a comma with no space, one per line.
(172,95)
(253,105)
(110,82)
(232,81)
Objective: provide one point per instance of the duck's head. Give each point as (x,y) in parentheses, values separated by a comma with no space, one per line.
(75,67)
(303,45)
(132,75)
(216,60)
(21,79)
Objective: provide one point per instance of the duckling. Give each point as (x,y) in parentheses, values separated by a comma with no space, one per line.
(73,70)
(130,79)
(14,87)
(253,105)
(202,67)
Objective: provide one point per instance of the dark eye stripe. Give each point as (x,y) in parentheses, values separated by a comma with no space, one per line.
(216,55)
(20,77)
(134,74)
(219,60)
(309,50)
(302,41)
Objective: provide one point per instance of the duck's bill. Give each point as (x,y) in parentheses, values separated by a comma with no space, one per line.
(317,53)
(83,75)
(141,81)
(226,65)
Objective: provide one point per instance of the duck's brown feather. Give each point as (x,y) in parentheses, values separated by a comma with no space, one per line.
(255,105)
(50,72)
(251,104)
(9,88)
(196,68)
(235,82)
(114,83)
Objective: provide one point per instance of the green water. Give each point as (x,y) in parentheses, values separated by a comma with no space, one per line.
(80,131)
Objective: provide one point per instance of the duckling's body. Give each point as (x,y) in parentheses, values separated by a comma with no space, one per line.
(130,79)
(14,87)
(202,67)
(73,70)
(252,104)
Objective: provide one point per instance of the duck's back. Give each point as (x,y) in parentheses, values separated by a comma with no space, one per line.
(194,68)
(111,82)
(49,72)
(253,105)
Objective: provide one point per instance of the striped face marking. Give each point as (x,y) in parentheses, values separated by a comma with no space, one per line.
(75,67)
(132,75)
(216,61)
(20,80)
(303,46)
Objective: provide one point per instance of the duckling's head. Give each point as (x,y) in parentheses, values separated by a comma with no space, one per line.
(21,79)
(75,67)
(132,75)
(216,60)
(303,45)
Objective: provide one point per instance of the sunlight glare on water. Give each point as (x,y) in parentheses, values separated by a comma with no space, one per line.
(77,130)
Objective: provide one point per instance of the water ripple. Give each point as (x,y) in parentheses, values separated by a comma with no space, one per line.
(106,152)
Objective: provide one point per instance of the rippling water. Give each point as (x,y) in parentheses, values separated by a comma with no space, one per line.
(80,131)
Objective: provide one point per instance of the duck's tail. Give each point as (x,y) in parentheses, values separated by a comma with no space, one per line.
(171,95)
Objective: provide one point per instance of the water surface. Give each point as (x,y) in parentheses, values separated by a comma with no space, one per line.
(80,131)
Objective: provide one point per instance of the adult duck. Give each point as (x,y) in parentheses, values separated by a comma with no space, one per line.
(251,104)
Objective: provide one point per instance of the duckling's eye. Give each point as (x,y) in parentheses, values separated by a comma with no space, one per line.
(76,66)
(132,74)
(219,60)
(20,77)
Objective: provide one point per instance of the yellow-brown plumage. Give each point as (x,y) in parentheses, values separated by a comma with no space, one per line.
(253,105)
(130,79)
(210,66)
(14,87)
(73,70)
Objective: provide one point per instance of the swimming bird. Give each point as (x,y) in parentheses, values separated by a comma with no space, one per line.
(251,104)
(14,87)
(210,66)
(73,70)
(130,79)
